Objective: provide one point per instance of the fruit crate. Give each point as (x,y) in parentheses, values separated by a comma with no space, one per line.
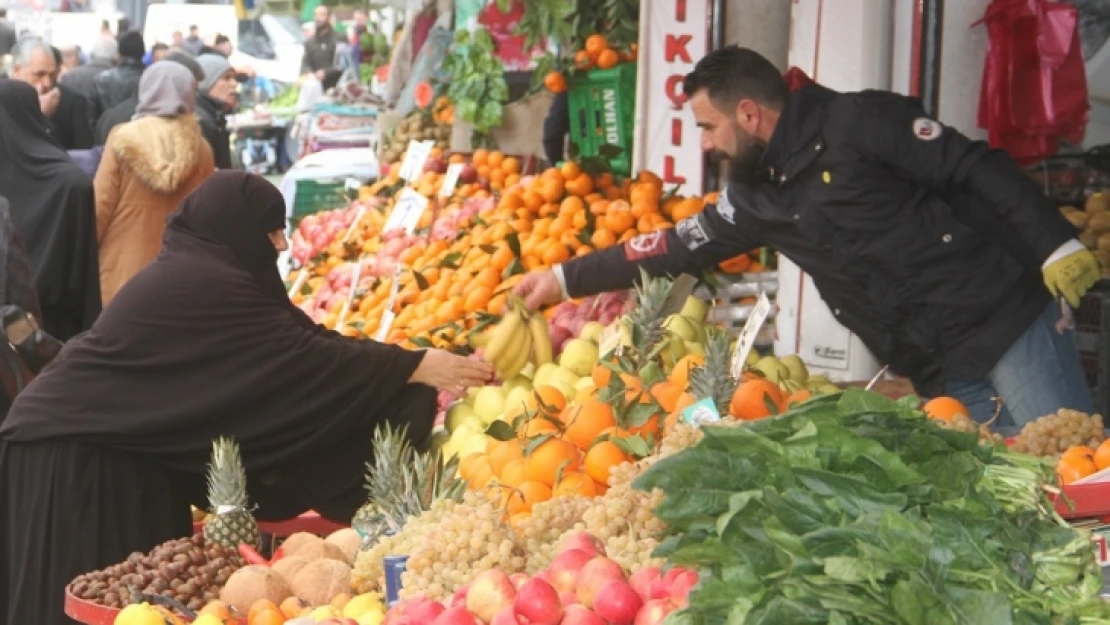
(314,196)
(734,300)
(1092,337)
(602,108)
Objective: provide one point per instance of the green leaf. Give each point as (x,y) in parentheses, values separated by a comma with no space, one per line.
(452,260)
(420,341)
(501,431)
(513,239)
(609,151)
(853,570)
(634,446)
(535,443)
(467,110)
(859,400)
(489,249)
(421,281)
(515,267)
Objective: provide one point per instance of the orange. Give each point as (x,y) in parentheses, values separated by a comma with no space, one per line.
(547,398)
(582,61)
(751,399)
(556,254)
(260,607)
(1079,450)
(522,498)
(667,394)
(1074,467)
(513,474)
(501,453)
(511,165)
(292,607)
(581,185)
(575,484)
(219,610)
(471,464)
(601,375)
(687,208)
(267,617)
(572,205)
(587,421)
(495,159)
(595,45)
(944,408)
(602,457)
(680,375)
(555,82)
(603,238)
(798,397)
(539,425)
(479,157)
(1102,455)
(608,59)
(570,170)
(478,298)
(546,460)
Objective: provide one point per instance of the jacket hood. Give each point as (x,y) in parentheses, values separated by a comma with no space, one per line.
(162,152)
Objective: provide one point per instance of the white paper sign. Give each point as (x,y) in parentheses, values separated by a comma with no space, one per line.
(416,155)
(610,339)
(355,277)
(406,212)
(450,179)
(354,222)
(746,341)
(385,325)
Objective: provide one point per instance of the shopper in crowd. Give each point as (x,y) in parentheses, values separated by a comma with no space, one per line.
(177,40)
(52,202)
(319,52)
(157,53)
(71,59)
(103,453)
(217,97)
(932,248)
(193,43)
(101,59)
(69,124)
(148,167)
(122,81)
(7,33)
(124,111)
(36,63)
(17,288)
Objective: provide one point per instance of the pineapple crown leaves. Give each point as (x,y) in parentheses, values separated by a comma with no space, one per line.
(227,477)
(714,379)
(645,322)
(404,482)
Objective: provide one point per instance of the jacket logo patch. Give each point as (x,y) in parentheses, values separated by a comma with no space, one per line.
(646,245)
(826,177)
(692,233)
(926,129)
(725,208)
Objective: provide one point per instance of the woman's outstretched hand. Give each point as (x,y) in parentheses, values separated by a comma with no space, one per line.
(448,372)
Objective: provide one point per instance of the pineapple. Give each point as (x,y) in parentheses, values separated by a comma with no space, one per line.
(714,379)
(645,321)
(401,483)
(232,524)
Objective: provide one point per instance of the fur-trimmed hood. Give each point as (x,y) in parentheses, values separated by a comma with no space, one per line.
(161,151)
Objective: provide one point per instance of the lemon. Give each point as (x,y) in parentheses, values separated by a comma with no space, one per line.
(371,618)
(139,614)
(362,604)
(323,613)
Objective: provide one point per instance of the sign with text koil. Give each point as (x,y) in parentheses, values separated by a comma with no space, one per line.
(674,35)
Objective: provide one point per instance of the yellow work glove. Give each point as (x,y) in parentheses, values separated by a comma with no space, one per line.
(1072,276)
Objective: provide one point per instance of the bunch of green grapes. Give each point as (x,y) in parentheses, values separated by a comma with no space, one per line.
(369,570)
(475,537)
(1053,434)
(540,531)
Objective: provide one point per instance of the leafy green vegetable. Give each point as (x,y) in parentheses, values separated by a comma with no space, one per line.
(477,83)
(858,509)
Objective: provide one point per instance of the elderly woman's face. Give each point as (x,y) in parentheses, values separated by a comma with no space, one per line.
(277,237)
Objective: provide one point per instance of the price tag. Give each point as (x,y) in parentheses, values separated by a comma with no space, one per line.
(416,155)
(451,179)
(385,325)
(354,223)
(610,339)
(355,277)
(351,187)
(701,412)
(406,212)
(746,341)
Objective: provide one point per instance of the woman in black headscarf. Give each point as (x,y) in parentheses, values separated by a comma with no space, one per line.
(103,453)
(53,206)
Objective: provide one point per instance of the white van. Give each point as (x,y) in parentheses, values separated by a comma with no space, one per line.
(271,45)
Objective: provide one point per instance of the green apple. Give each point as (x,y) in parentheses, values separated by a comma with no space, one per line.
(696,349)
(694,308)
(591,331)
(585,383)
(543,374)
(518,382)
(474,443)
(817,381)
(753,358)
(564,376)
(568,390)
(827,389)
(769,367)
(489,403)
(457,414)
(579,356)
(682,327)
(796,367)
(528,371)
(516,398)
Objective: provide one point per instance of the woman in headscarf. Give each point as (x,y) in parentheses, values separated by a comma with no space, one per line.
(52,205)
(17,288)
(149,165)
(102,454)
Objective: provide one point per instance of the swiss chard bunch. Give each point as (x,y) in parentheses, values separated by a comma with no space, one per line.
(477,84)
(858,509)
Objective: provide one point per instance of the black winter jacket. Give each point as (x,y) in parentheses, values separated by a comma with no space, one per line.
(213,123)
(924,243)
(116,85)
(319,52)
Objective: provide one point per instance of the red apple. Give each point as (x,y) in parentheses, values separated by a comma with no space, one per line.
(490,592)
(459,599)
(455,616)
(618,603)
(681,586)
(506,617)
(468,174)
(655,611)
(660,589)
(578,615)
(518,579)
(642,580)
(583,541)
(545,575)
(594,576)
(537,603)
(565,568)
(396,614)
(424,611)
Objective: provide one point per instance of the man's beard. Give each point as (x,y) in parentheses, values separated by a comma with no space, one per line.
(747,167)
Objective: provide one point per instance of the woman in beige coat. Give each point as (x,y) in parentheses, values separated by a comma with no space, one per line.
(149,165)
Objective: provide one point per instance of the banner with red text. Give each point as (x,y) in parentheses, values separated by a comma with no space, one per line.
(674,35)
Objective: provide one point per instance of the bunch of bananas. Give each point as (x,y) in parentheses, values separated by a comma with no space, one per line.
(519,338)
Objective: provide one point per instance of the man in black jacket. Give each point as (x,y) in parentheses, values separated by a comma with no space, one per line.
(319,52)
(101,59)
(124,111)
(7,33)
(122,81)
(934,249)
(215,97)
(36,63)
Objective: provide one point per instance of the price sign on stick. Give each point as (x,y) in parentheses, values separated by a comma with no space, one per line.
(350,295)
(610,339)
(416,155)
(299,282)
(406,212)
(354,224)
(383,328)
(450,179)
(388,316)
(746,341)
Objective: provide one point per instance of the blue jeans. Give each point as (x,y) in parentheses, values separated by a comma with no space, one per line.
(1037,376)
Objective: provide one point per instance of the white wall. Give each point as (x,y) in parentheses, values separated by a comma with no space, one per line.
(762,25)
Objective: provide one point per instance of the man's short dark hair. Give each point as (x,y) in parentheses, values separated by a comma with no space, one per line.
(221,39)
(193,27)
(57,56)
(184,58)
(3,13)
(158,47)
(732,73)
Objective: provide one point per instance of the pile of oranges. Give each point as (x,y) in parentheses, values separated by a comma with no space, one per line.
(595,54)
(1081,461)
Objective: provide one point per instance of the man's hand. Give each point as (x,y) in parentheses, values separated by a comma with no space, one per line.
(539,288)
(49,101)
(1072,276)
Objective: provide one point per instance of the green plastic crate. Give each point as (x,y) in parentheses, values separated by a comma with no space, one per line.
(314,196)
(602,107)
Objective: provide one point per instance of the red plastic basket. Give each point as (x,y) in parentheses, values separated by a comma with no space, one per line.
(1087,501)
(90,613)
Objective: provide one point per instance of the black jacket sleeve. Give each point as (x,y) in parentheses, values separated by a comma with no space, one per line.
(695,244)
(921,150)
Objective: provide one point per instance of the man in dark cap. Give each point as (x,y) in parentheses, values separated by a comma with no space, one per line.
(122,81)
(124,111)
